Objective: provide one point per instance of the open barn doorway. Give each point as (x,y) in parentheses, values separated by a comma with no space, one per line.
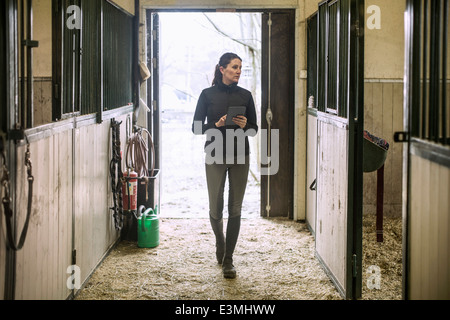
(190,45)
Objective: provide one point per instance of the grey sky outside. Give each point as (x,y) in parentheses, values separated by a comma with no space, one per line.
(190,48)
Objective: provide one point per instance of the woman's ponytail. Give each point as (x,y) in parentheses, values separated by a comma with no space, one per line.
(217,75)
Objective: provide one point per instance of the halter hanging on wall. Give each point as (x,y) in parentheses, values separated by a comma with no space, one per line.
(6,199)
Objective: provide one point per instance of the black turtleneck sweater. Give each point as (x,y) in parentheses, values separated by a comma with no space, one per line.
(213,104)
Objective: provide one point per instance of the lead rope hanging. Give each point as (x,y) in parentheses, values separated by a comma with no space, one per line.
(6,201)
(116,169)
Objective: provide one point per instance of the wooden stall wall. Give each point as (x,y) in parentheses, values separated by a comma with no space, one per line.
(332,181)
(42,97)
(383,111)
(94,224)
(40,271)
(71,198)
(429,227)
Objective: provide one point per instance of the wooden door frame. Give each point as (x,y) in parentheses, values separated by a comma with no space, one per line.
(290,125)
(153,97)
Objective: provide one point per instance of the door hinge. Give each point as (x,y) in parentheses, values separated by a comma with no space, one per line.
(401,136)
(354,266)
(16,134)
(30,43)
(74,257)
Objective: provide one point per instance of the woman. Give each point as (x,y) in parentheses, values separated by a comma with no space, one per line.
(213,106)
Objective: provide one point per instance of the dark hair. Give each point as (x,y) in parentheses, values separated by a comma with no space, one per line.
(224,61)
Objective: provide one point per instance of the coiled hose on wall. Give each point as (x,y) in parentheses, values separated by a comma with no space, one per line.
(137,151)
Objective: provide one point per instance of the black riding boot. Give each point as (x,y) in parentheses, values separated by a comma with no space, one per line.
(233,227)
(217,226)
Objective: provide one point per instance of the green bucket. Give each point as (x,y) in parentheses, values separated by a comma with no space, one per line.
(148,229)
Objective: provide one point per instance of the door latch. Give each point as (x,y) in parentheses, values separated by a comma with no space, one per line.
(312,187)
(401,136)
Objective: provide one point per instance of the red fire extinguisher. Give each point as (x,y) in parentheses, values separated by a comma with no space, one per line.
(129,190)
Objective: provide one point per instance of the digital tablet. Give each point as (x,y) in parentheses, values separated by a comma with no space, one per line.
(233,112)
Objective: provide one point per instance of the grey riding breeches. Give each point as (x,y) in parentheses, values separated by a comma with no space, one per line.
(216,175)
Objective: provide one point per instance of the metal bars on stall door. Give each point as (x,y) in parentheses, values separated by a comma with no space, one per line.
(95,73)
(91,84)
(118,57)
(312,38)
(333,57)
(431,116)
(71,67)
(26,64)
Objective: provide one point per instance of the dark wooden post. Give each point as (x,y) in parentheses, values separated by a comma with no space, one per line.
(380,193)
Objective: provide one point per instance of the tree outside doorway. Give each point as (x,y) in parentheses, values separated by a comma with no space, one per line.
(188,56)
